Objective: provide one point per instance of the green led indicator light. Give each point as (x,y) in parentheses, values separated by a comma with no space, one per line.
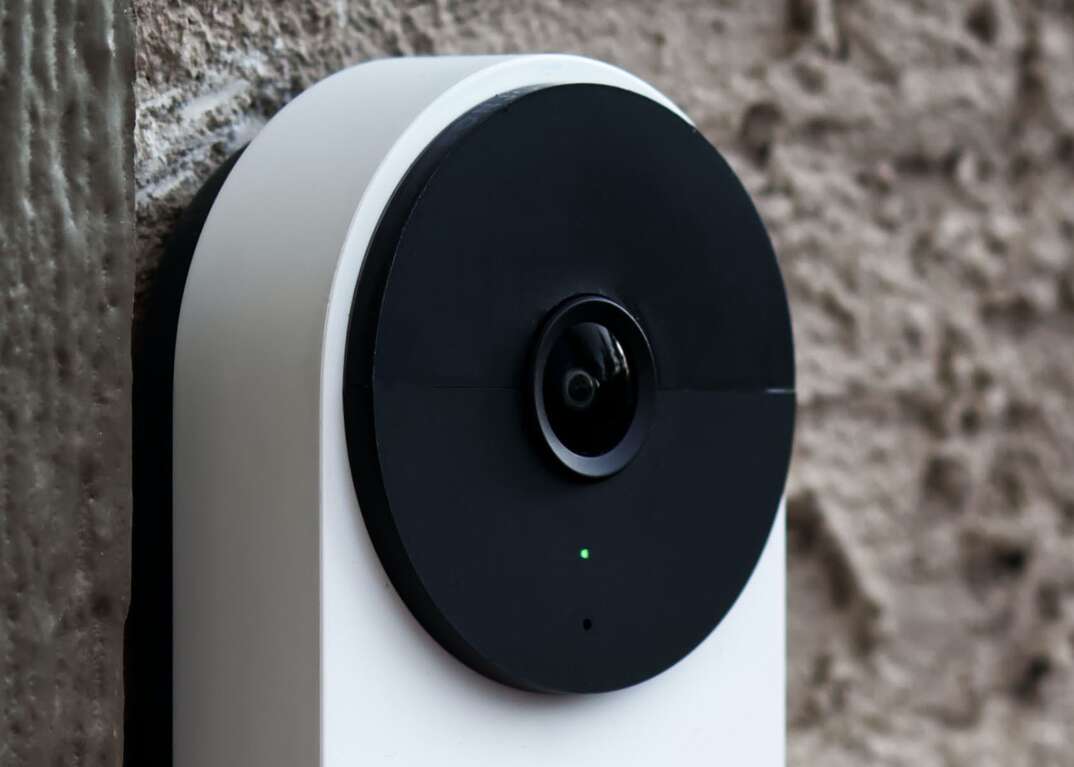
(584,553)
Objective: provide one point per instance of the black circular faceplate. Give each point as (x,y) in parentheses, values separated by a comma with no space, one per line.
(529,573)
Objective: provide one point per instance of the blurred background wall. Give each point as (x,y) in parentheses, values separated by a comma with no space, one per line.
(914,161)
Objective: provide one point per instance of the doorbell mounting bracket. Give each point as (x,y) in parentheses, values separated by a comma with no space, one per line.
(464,405)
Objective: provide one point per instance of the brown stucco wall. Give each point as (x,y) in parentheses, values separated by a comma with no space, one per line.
(66,287)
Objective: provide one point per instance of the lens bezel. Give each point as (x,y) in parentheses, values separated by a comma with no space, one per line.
(628,331)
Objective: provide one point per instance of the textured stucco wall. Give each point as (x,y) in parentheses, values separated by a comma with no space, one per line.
(915,163)
(66,288)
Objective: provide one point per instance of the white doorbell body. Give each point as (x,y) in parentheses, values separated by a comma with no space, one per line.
(482,410)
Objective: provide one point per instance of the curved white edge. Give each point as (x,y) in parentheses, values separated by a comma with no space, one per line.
(291,647)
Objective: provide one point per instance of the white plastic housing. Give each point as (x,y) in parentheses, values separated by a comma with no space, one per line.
(291,645)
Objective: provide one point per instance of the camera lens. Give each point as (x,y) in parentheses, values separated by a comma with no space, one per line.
(590,394)
(594,382)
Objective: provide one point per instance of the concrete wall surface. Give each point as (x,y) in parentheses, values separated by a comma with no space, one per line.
(914,160)
(66,287)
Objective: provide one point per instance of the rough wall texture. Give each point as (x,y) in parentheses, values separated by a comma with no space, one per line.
(914,161)
(66,288)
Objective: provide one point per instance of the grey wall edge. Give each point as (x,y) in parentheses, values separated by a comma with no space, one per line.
(66,288)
